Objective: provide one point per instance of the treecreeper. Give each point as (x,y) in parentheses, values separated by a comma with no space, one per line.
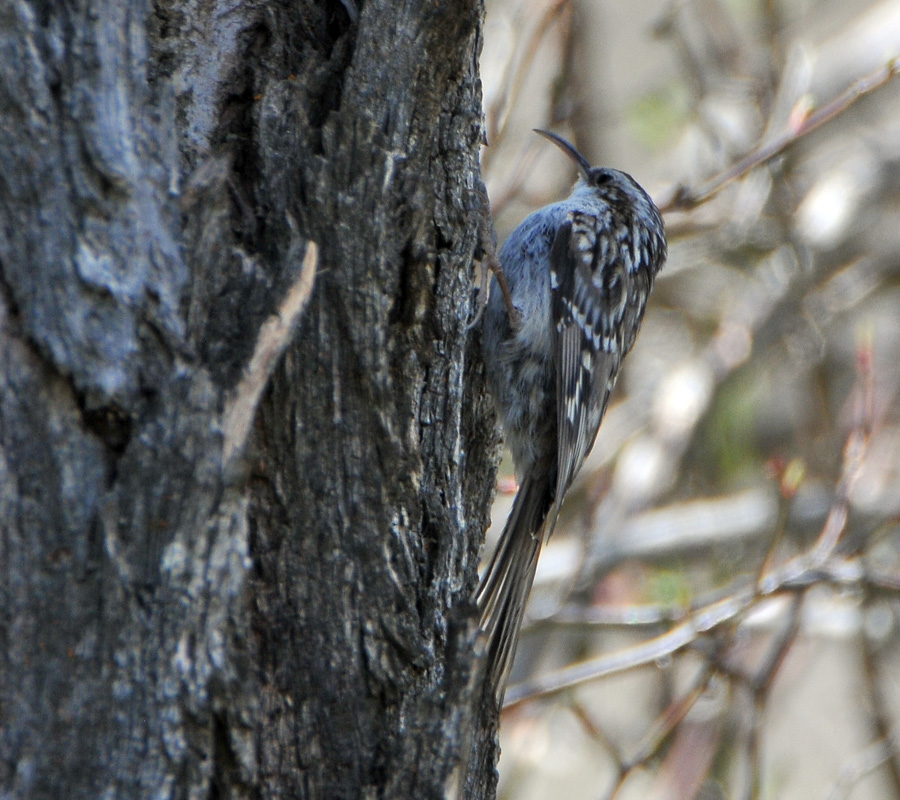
(579,273)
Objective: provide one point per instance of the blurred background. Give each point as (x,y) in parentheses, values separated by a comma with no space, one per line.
(726,576)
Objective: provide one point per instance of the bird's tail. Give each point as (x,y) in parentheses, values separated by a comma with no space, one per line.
(506,584)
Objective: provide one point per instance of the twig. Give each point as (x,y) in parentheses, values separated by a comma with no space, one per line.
(854,454)
(858,766)
(489,257)
(765,676)
(662,728)
(513,190)
(684,199)
(796,575)
(666,722)
(882,582)
(513,80)
(624,616)
(761,685)
(878,707)
(789,481)
(274,335)
(599,735)
(700,622)
(514,314)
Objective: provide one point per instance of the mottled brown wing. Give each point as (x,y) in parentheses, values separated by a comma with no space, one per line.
(588,283)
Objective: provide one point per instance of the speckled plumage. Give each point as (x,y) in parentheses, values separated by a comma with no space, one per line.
(579,273)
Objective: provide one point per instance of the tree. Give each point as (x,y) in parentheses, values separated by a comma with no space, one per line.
(193,603)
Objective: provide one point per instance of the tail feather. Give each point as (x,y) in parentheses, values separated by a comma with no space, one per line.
(507,580)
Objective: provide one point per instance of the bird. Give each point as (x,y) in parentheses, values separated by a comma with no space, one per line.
(579,273)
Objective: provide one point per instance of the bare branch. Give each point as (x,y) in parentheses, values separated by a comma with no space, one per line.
(855,451)
(514,78)
(878,708)
(274,335)
(796,575)
(858,766)
(683,198)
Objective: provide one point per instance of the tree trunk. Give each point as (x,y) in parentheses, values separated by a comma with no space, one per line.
(197,600)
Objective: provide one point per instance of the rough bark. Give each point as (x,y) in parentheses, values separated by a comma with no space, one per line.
(293,621)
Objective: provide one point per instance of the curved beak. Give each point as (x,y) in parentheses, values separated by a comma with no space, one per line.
(580,161)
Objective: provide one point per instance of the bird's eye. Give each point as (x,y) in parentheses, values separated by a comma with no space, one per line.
(601,178)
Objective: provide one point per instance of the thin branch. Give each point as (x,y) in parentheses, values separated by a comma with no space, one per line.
(788,483)
(796,575)
(489,258)
(761,686)
(513,190)
(882,582)
(859,765)
(879,706)
(855,450)
(665,723)
(684,198)
(493,264)
(662,728)
(619,616)
(514,79)
(765,676)
(598,735)
(273,338)
(698,623)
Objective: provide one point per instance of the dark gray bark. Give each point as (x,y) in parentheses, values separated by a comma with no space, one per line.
(292,622)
